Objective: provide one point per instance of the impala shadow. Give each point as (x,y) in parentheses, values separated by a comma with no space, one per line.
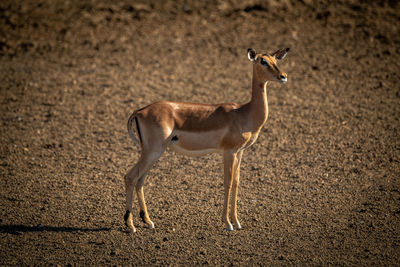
(17,229)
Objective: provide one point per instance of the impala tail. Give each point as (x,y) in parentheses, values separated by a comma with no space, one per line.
(131,129)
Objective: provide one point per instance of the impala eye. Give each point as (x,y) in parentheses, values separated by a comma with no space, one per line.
(264,62)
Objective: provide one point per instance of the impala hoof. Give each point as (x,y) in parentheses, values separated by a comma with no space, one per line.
(129,221)
(229,227)
(150,225)
(146,219)
(238,226)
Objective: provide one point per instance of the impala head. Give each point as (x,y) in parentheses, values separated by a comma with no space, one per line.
(265,65)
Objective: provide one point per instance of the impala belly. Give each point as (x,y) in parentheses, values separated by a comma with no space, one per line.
(197,143)
(192,153)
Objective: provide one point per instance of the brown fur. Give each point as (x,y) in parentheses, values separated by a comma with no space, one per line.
(203,128)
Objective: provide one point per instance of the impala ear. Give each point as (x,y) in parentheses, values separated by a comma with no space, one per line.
(281,53)
(251,54)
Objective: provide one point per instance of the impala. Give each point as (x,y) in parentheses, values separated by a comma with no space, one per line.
(198,129)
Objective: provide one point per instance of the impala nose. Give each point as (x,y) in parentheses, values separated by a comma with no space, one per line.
(282,78)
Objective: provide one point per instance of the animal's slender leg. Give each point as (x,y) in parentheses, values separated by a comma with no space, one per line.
(142,203)
(130,177)
(154,141)
(131,180)
(235,185)
(129,192)
(229,162)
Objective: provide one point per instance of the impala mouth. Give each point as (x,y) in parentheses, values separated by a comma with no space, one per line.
(283,80)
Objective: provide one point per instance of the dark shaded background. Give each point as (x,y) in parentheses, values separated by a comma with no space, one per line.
(320,187)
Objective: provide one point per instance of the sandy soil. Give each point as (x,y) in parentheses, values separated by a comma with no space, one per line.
(320,187)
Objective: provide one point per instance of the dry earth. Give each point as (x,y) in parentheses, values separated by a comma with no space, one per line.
(320,187)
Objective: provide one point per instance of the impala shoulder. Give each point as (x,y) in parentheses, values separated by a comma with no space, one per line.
(230,106)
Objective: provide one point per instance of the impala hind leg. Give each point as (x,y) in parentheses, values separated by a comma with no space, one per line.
(235,185)
(142,203)
(134,176)
(130,178)
(128,217)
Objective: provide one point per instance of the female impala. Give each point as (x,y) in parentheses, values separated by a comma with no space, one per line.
(197,129)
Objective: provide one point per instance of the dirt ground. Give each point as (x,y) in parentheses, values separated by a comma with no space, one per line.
(321,186)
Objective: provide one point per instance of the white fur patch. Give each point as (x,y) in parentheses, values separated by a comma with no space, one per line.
(192,153)
(197,143)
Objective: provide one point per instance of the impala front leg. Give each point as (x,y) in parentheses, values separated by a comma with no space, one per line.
(235,185)
(229,162)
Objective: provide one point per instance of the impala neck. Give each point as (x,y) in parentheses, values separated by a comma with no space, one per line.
(258,102)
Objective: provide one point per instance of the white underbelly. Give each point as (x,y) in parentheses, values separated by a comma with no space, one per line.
(197,143)
(192,153)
